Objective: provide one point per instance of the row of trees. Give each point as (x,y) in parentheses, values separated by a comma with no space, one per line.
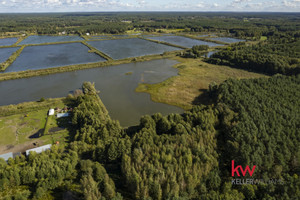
(195,52)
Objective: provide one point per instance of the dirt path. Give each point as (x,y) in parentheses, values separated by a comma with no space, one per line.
(20,147)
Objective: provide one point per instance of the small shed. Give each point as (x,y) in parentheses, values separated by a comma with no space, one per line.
(39,149)
(51,112)
(7,156)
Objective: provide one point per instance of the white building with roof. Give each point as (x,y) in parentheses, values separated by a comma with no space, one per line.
(51,112)
(7,156)
(39,149)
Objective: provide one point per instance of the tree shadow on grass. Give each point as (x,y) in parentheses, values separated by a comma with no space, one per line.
(205,98)
(37,134)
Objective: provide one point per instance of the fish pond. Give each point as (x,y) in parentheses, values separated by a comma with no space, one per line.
(116,85)
(183,41)
(56,55)
(5,53)
(134,47)
(40,39)
(8,41)
(227,39)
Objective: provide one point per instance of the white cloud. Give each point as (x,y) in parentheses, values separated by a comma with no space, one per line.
(200,5)
(240,1)
(292,4)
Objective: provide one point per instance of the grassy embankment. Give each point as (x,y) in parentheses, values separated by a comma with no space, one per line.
(96,51)
(193,81)
(21,124)
(40,72)
(163,30)
(11,59)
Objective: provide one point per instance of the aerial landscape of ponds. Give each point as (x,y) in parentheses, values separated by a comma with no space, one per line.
(117,90)
(5,53)
(8,41)
(40,39)
(126,48)
(183,41)
(227,39)
(47,56)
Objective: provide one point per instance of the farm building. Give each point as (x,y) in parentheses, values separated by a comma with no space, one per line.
(59,115)
(39,149)
(9,155)
(51,112)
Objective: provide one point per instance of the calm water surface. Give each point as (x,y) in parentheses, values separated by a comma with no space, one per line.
(126,48)
(5,53)
(40,39)
(116,88)
(55,55)
(183,41)
(8,41)
(227,39)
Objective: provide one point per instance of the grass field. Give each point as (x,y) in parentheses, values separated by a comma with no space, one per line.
(19,131)
(193,80)
(263,38)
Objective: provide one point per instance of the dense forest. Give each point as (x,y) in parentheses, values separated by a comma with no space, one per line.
(280,54)
(188,156)
(245,25)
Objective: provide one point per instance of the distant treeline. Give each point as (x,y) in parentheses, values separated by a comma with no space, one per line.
(238,24)
(188,156)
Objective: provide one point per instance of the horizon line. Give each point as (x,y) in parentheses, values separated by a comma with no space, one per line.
(122,11)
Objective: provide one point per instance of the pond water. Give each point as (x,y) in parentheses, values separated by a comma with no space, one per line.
(56,55)
(227,39)
(40,39)
(100,37)
(116,88)
(183,41)
(126,48)
(8,41)
(120,36)
(5,53)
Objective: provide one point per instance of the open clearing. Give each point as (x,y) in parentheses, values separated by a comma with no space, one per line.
(193,80)
(20,131)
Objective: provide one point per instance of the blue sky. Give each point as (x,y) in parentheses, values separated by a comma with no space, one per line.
(148,5)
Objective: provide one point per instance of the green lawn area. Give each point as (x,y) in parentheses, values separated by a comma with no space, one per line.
(15,129)
(20,130)
(193,80)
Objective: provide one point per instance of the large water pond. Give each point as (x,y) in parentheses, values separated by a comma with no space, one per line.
(126,48)
(56,55)
(5,53)
(8,41)
(116,87)
(40,39)
(227,39)
(183,41)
